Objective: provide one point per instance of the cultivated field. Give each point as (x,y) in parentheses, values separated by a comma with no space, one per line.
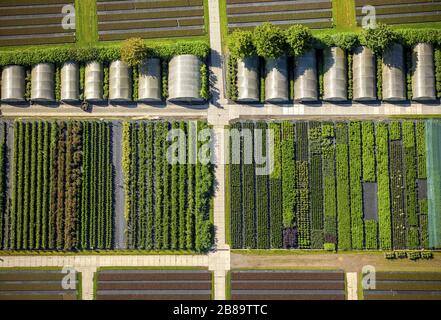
(405,286)
(153,284)
(287,285)
(403,11)
(33,22)
(246,14)
(33,284)
(345,185)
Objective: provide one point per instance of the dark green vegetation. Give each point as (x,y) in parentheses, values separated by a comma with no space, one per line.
(167,203)
(326,181)
(38,284)
(61,193)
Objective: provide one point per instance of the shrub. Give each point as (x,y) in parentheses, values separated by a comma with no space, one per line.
(203,92)
(379,38)
(371,229)
(269,40)
(438,70)
(356,191)
(344,40)
(275,181)
(133,51)
(298,38)
(240,44)
(368,151)
(329,247)
(343,201)
(400,254)
(426,255)
(384,215)
(414,255)
(389,255)
(421,148)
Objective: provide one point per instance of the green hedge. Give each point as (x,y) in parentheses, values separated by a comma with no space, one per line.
(289,179)
(248,184)
(371,227)
(275,180)
(421,148)
(356,192)
(343,190)
(438,70)
(236,224)
(330,198)
(410,171)
(384,215)
(316,184)
(262,212)
(303,218)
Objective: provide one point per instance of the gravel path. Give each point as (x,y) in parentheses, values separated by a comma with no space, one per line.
(120,222)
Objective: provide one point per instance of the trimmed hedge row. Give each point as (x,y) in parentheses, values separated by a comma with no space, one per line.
(3,163)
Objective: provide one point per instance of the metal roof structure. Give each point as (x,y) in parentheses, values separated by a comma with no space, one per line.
(43,88)
(248,79)
(184,79)
(149,86)
(276,79)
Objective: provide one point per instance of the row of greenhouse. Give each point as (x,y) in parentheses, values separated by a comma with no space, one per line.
(97,81)
(337,75)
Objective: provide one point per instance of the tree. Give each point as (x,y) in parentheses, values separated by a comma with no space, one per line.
(240,44)
(298,38)
(269,40)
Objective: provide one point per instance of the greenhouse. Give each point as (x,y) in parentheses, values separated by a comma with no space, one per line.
(13,83)
(364,77)
(393,74)
(184,79)
(70,90)
(43,82)
(423,77)
(276,80)
(248,79)
(150,80)
(93,90)
(335,74)
(305,77)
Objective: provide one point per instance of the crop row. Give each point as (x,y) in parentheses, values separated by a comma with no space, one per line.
(315,195)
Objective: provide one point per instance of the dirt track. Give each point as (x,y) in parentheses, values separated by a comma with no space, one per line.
(351,262)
